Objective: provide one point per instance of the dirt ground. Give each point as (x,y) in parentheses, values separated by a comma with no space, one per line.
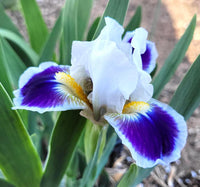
(174,17)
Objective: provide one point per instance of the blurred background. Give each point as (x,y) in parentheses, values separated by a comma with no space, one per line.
(165,22)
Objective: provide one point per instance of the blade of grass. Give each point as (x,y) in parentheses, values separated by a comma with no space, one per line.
(48,49)
(135,20)
(13,64)
(36,26)
(18,159)
(91,136)
(70,29)
(134,176)
(41,125)
(4,183)
(90,170)
(174,59)
(65,136)
(84,10)
(156,16)
(115,9)
(187,97)
(8,4)
(21,44)
(93,28)
(4,78)
(106,153)
(6,22)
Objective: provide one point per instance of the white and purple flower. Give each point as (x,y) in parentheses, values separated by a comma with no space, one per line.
(109,80)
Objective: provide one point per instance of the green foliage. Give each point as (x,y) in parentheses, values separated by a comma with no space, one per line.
(49,46)
(135,20)
(6,22)
(92,133)
(4,79)
(12,63)
(90,170)
(63,142)
(110,143)
(93,28)
(18,159)
(134,176)
(174,59)
(21,44)
(36,26)
(78,150)
(4,183)
(115,9)
(40,127)
(84,10)
(8,3)
(70,29)
(187,96)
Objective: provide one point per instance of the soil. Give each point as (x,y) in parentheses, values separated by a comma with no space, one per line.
(173,18)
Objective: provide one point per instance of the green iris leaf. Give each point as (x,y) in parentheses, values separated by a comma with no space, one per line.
(187,96)
(64,139)
(174,59)
(115,9)
(18,158)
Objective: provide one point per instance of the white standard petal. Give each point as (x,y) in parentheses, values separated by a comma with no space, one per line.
(80,53)
(139,40)
(144,90)
(114,76)
(112,31)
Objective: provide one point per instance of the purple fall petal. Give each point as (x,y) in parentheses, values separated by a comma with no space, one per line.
(149,57)
(40,91)
(156,136)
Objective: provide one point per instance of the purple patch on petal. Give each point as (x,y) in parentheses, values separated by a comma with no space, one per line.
(152,135)
(40,90)
(149,56)
(129,41)
(146,57)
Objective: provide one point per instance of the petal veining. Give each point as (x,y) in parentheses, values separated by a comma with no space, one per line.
(70,86)
(154,134)
(39,90)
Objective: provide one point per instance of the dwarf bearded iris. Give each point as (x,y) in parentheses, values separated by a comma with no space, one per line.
(109,80)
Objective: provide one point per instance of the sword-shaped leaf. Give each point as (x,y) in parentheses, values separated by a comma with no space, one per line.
(65,136)
(18,158)
(187,96)
(174,59)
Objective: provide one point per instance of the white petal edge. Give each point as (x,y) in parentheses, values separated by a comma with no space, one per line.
(142,161)
(73,104)
(31,71)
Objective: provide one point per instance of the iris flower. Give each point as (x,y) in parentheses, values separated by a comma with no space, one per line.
(109,81)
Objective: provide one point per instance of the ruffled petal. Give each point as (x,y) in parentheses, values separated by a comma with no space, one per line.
(43,89)
(149,57)
(112,31)
(142,47)
(154,133)
(114,77)
(112,73)
(144,90)
(138,41)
